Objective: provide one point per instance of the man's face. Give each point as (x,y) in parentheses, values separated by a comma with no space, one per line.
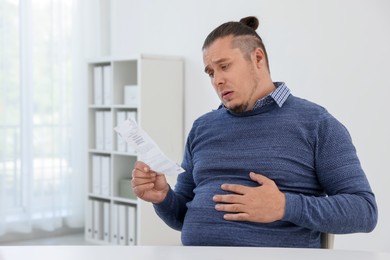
(234,78)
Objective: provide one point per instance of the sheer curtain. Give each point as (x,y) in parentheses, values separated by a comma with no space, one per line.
(42,115)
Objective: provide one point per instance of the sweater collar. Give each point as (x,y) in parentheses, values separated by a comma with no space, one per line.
(279,95)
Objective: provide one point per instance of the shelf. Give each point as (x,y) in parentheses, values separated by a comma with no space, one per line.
(124,200)
(99,197)
(124,107)
(155,84)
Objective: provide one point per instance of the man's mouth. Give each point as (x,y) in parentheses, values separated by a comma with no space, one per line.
(226,95)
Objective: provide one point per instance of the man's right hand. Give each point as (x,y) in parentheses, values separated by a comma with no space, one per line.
(147,184)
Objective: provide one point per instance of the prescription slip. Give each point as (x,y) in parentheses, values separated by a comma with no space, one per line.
(147,150)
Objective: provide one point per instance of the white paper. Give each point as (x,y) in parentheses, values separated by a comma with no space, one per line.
(147,150)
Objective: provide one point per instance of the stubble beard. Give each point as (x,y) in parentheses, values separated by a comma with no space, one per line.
(245,105)
(241,108)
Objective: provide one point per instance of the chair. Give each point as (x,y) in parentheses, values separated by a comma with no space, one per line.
(327,240)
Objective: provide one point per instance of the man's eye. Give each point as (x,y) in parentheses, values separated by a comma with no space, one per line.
(225,66)
(211,74)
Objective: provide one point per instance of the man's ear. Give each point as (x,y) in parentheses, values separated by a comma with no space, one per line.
(259,57)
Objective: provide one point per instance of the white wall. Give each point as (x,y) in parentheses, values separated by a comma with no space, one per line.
(335,53)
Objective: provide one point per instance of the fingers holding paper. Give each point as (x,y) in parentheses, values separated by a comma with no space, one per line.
(147,184)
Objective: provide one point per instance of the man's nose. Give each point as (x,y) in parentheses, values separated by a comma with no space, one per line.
(218,79)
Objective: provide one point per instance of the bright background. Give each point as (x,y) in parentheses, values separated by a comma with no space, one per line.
(335,53)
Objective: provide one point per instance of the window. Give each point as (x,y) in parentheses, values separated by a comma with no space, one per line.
(41,176)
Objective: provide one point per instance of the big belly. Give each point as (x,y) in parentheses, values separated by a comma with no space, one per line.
(203,225)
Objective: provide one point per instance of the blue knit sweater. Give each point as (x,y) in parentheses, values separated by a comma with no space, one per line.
(305,150)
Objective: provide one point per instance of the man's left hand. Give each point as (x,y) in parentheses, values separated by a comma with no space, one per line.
(265,203)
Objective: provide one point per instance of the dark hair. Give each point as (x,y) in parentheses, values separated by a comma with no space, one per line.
(244,33)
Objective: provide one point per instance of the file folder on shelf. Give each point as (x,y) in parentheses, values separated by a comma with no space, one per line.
(98,85)
(114,224)
(105,175)
(131,225)
(122,227)
(99,130)
(107,85)
(96,174)
(107,131)
(121,144)
(106,222)
(89,220)
(97,220)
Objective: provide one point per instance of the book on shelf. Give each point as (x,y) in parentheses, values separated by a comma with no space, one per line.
(103,130)
(122,219)
(105,175)
(107,85)
(99,130)
(130,96)
(114,224)
(131,225)
(96,174)
(122,146)
(89,221)
(97,220)
(106,221)
(102,85)
(107,131)
(98,85)
(101,175)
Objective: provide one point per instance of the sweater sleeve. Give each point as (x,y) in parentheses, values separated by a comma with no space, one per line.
(173,209)
(350,204)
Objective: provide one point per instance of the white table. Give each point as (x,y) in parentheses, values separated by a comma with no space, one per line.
(179,253)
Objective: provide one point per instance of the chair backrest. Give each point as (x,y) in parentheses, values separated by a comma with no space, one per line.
(327,240)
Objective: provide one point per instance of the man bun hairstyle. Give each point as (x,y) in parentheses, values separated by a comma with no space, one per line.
(244,33)
(250,21)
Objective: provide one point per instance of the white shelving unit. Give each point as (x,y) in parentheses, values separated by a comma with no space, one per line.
(113,214)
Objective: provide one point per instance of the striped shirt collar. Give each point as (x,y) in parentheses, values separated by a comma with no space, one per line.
(279,95)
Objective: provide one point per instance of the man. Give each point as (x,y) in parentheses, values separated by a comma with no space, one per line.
(266,168)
